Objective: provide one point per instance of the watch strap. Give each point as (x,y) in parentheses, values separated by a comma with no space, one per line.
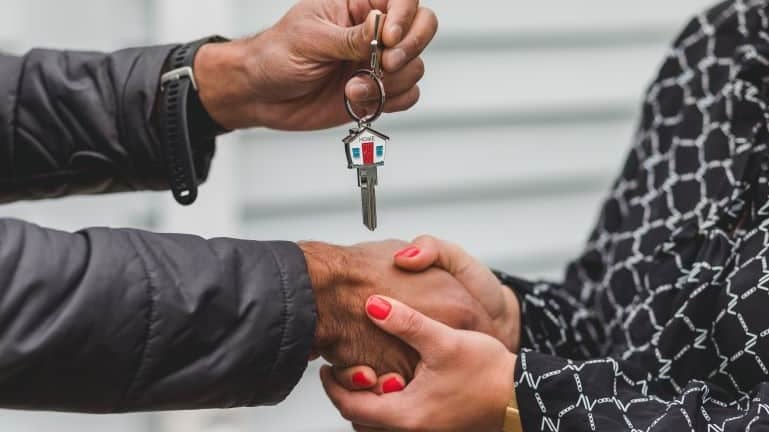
(180,110)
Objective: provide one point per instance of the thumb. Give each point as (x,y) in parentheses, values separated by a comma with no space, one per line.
(428,251)
(354,43)
(425,335)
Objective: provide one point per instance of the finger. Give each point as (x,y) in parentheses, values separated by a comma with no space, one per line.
(356,378)
(433,251)
(361,89)
(422,31)
(474,275)
(400,16)
(314,355)
(418,256)
(352,43)
(404,101)
(430,338)
(390,383)
(364,408)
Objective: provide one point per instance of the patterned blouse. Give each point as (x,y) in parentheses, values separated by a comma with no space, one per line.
(663,323)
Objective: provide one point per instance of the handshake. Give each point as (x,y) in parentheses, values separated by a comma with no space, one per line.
(390,311)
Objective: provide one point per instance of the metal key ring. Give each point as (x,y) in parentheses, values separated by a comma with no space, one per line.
(382,98)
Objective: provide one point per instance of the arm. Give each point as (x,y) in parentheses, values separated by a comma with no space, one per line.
(123,320)
(464,384)
(80,122)
(555,319)
(548,317)
(610,394)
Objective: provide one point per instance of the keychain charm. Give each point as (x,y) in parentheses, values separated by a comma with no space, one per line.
(365,147)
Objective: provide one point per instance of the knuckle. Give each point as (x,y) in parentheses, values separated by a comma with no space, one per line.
(350,43)
(419,65)
(416,94)
(451,346)
(426,239)
(411,325)
(431,17)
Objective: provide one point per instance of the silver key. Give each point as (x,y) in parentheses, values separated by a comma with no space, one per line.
(366,147)
(366,150)
(367,181)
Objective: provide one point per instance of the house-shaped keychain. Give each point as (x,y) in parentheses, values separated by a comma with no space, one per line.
(365,147)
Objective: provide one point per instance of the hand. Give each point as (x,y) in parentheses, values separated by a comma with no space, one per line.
(293,75)
(344,277)
(463,383)
(497,299)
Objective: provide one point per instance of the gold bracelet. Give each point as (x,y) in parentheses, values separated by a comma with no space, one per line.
(513,416)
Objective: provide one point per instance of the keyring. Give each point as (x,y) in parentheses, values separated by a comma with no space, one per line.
(382,98)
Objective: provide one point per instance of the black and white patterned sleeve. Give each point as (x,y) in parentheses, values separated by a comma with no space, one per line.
(555,320)
(555,394)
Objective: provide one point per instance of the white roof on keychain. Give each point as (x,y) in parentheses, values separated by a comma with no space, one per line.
(355,133)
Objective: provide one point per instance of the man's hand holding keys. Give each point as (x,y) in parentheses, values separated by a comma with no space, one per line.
(292,75)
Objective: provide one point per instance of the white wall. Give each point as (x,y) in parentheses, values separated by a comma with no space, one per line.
(528,109)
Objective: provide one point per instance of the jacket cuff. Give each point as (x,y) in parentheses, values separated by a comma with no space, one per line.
(10,71)
(516,285)
(139,132)
(299,321)
(530,404)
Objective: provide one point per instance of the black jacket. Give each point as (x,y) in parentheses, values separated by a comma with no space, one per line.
(108,320)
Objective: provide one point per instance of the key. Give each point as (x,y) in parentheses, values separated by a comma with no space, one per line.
(367,181)
(366,150)
(366,147)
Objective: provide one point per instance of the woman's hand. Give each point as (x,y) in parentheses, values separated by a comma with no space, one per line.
(464,381)
(498,300)
(293,75)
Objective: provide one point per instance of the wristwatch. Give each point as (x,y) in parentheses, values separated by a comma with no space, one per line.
(185,126)
(513,416)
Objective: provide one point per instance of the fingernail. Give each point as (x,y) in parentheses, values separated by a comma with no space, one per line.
(409,252)
(360,380)
(399,58)
(392,386)
(378,308)
(397,32)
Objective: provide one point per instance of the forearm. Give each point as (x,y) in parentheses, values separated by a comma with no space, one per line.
(124,320)
(610,394)
(81,122)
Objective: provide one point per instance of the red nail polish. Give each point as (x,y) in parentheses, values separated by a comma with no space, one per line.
(392,386)
(409,252)
(378,308)
(360,380)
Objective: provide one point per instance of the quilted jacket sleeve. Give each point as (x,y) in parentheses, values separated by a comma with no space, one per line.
(110,321)
(81,123)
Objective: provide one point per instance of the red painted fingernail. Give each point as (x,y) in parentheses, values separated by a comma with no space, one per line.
(392,386)
(378,308)
(360,380)
(409,252)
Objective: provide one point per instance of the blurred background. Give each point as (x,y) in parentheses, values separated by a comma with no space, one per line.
(527,112)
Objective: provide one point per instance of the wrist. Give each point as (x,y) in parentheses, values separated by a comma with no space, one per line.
(324,266)
(511,327)
(222,80)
